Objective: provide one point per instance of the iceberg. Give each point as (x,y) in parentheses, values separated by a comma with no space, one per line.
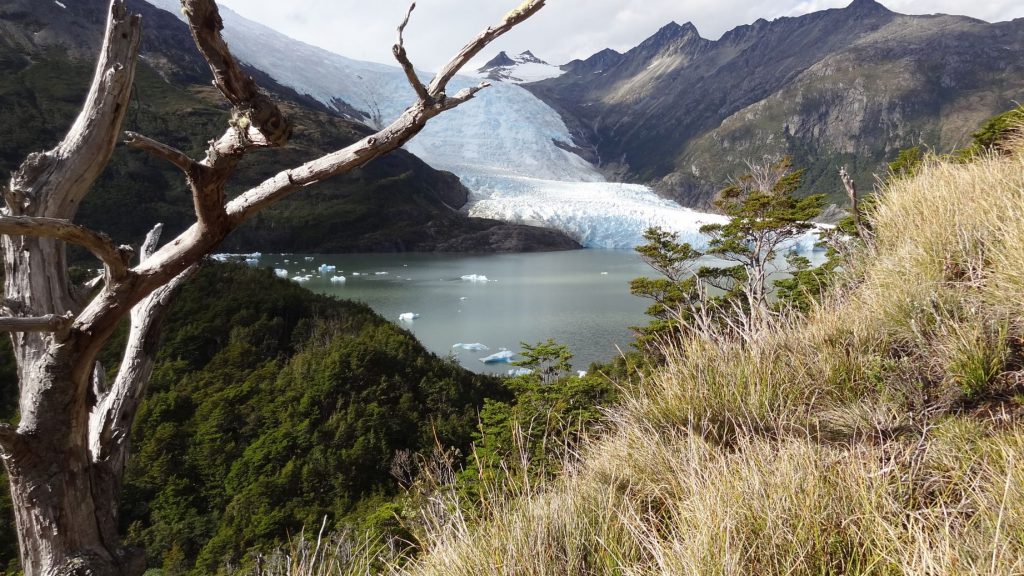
(520,372)
(476,278)
(338,279)
(408,317)
(380,273)
(327,269)
(302,279)
(581,373)
(476,347)
(309,258)
(281,273)
(502,357)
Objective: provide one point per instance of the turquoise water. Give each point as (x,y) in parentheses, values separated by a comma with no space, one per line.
(580,298)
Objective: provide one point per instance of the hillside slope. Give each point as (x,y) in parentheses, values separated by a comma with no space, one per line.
(849,86)
(883,434)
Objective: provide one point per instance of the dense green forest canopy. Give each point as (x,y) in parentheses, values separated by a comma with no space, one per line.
(270,408)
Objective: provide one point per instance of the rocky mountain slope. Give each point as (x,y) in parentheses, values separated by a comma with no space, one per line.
(399,203)
(838,87)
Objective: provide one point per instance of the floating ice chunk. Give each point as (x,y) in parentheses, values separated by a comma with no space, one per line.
(604,273)
(327,269)
(356,274)
(338,279)
(380,273)
(61,4)
(476,347)
(252,261)
(476,278)
(281,273)
(463,298)
(302,279)
(408,317)
(503,357)
(520,372)
(309,258)
(581,373)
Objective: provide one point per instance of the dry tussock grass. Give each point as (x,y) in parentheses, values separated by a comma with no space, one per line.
(880,435)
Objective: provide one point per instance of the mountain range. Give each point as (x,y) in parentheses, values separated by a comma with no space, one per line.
(599,148)
(838,87)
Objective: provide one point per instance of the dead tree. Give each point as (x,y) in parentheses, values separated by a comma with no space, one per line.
(851,193)
(66,457)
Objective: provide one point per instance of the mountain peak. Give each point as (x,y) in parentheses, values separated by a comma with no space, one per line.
(674,29)
(528,56)
(525,67)
(502,59)
(865,6)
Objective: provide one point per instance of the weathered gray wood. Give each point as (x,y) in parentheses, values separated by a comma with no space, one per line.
(176,157)
(114,258)
(403,59)
(48,323)
(67,457)
(851,193)
(49,469)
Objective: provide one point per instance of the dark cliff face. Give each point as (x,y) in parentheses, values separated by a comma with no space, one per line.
(843,86)
(396,203)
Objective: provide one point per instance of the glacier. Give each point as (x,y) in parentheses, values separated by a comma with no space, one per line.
(506,145)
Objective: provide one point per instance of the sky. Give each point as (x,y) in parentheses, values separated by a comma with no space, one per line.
(562,31)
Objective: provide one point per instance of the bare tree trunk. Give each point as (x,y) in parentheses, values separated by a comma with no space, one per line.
(851,193)
(67,456)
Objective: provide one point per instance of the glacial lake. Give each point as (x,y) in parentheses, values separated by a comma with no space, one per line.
(580,298)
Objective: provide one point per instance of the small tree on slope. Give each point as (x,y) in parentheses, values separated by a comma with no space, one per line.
(66,458)
(764,215)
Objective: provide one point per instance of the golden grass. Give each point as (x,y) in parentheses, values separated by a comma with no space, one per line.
(880,435)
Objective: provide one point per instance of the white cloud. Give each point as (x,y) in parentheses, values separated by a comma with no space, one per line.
(562,31)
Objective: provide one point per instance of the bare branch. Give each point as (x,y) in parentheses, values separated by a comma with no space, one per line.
(163,151)
(113,257)
(55,182)
(464,95)
(258,118)
(469,51)
(410,71)
(111,421)
(48,323)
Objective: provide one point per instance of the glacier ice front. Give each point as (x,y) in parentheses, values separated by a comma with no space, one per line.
(597,214)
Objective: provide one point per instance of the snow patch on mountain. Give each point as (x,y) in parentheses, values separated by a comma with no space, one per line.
(516,69)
